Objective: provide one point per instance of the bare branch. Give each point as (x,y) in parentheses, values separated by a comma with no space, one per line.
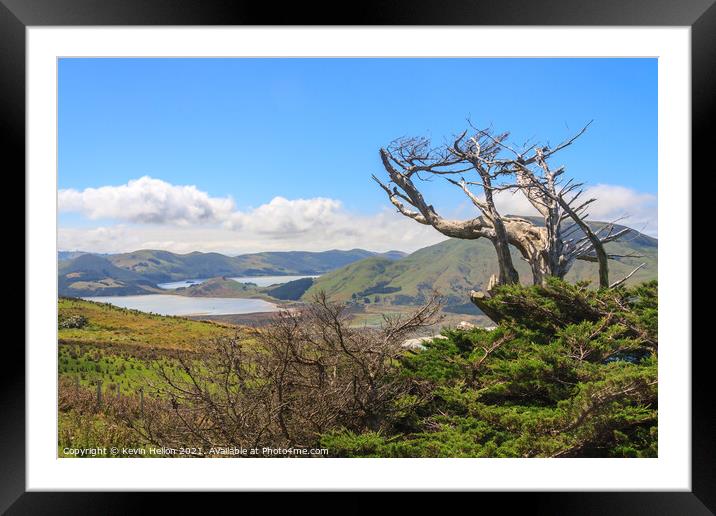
(482,206)
(617,283)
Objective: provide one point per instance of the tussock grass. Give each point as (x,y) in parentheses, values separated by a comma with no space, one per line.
(109,324)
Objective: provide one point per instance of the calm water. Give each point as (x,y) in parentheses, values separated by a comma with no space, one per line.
(261,281)
(178,305)
(178,284)
(265,281)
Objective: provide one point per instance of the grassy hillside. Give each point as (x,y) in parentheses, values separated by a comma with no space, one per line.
(119,352)
(220,287)
(343,283)
(138,272)
(110,325)
(90,275)
(163,266)
(290,291)
(454,267)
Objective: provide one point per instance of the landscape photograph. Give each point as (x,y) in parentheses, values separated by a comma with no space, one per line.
(357,258)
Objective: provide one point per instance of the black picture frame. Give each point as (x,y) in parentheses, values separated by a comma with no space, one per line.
(700,15)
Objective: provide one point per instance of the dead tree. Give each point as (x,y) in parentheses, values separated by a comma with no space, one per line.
(557,203)
(407,159)
(484,161)
(304,374)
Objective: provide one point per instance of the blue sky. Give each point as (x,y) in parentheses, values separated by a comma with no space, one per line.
(253,130)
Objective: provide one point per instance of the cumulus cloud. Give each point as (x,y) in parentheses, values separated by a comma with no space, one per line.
(148,201)
(152,201)
(283,216)
(153,214)
(635,209)
(383,231)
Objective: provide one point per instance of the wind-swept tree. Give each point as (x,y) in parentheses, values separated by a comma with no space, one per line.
(481,164)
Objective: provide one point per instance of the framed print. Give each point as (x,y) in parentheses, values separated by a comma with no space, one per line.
(433,250)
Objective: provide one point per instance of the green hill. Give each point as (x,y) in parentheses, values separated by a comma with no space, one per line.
(164,266)
(107,325)
(290,291)
(161,266)
(454,267)
(91,275)
(86,274)
(219,287)
(226,287)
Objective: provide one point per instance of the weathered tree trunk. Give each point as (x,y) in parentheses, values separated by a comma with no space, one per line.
(533,244)
(479,299)
(506,269)
(545,265)
(539,274)
(603,265)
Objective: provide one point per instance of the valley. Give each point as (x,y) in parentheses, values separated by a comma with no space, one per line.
(371,284)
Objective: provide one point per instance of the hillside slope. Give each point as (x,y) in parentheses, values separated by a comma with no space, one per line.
(164,266)
(454,267)
(219,287)
(91,275)
(107,325)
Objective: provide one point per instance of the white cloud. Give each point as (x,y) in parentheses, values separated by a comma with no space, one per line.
(148,201)
(282,216)
(383,231)
(635,209)
(639,210)
(153,214)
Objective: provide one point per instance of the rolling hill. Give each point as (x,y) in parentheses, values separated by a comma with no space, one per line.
(291,291)
(63,256)
(164,266)
(219,287)
(91,275)
(226,287)
(454,267)
(138,272)
(108,326)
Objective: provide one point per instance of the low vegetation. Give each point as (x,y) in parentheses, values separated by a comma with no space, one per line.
(105,324)
(570,371)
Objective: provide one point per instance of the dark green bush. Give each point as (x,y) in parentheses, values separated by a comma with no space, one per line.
(569,372)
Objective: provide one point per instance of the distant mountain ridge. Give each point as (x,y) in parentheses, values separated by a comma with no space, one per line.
(164,266)
(88,274)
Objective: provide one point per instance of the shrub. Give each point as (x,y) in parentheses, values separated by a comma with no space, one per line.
(72,321)
(311,373)
(569,372)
